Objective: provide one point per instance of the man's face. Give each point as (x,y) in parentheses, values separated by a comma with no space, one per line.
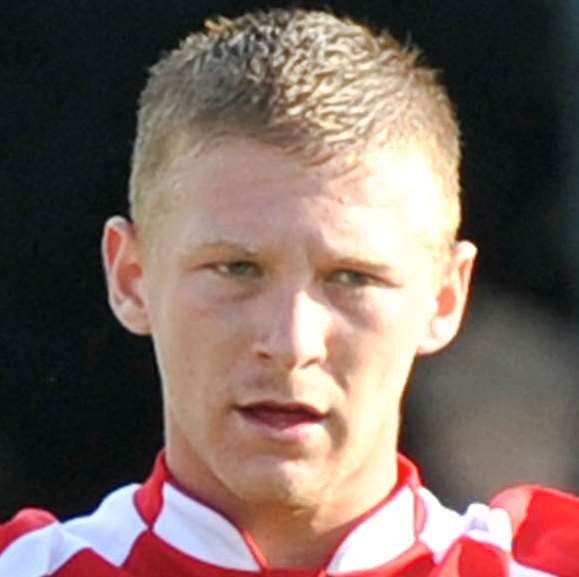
(287,304)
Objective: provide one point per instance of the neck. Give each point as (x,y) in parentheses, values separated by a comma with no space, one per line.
(287,534)
(297,542)
(298,538)
(307,538)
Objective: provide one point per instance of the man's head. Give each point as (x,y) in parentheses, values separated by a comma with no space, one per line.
(288,169)
(307,82)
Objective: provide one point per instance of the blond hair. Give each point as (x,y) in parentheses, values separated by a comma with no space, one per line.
(308,82)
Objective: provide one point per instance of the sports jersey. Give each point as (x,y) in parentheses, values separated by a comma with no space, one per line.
(157,530)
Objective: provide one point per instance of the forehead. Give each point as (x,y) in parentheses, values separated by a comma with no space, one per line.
(241,183)
(381,176)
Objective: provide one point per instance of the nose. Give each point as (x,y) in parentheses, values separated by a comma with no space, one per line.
(293,332)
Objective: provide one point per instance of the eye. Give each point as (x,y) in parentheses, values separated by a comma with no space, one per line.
(352,278)
(238,269)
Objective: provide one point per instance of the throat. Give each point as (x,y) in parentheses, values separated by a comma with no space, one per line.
(297,545)
(306,540)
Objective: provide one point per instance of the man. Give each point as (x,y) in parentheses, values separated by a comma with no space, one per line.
(292,250)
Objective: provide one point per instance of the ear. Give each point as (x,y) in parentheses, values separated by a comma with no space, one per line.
(124,275)
(451,299)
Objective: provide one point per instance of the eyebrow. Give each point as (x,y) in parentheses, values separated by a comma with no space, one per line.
(359,253)
(357,260)
(215,245)
(365,261)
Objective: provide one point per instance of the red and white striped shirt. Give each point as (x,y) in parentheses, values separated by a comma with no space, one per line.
(157,530)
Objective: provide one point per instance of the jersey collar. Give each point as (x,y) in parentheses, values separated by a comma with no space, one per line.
(199,531)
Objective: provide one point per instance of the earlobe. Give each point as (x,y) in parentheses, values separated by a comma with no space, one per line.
(451,300)
(124,275)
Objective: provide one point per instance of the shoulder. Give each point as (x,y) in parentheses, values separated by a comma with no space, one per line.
(525,531)
(35,544)
(545,526)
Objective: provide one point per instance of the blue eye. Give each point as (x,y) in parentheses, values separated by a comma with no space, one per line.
(239,269)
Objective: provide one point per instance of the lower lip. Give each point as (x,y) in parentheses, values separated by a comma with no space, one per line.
(282,426)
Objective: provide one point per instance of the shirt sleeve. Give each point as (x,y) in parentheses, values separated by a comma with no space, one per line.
(527,531)
(545,527)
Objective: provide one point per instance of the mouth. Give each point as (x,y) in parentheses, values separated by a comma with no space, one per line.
(281,416)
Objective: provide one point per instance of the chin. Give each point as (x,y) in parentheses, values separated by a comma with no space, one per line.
(283,485)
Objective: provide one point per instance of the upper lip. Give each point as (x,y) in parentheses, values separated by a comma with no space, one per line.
(288,407)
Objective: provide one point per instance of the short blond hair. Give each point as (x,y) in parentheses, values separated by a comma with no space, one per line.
(308,82)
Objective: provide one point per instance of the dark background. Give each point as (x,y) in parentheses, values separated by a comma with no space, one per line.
(79,402)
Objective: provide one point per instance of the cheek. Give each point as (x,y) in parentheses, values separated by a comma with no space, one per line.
(191,317)
(394,319)
(406,317)
(373,352)
(199,340)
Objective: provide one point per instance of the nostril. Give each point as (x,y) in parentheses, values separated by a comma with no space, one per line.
(294,333)
(262,353)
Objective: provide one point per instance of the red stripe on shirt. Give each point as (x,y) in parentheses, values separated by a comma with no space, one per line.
(23,523)
(546,528)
